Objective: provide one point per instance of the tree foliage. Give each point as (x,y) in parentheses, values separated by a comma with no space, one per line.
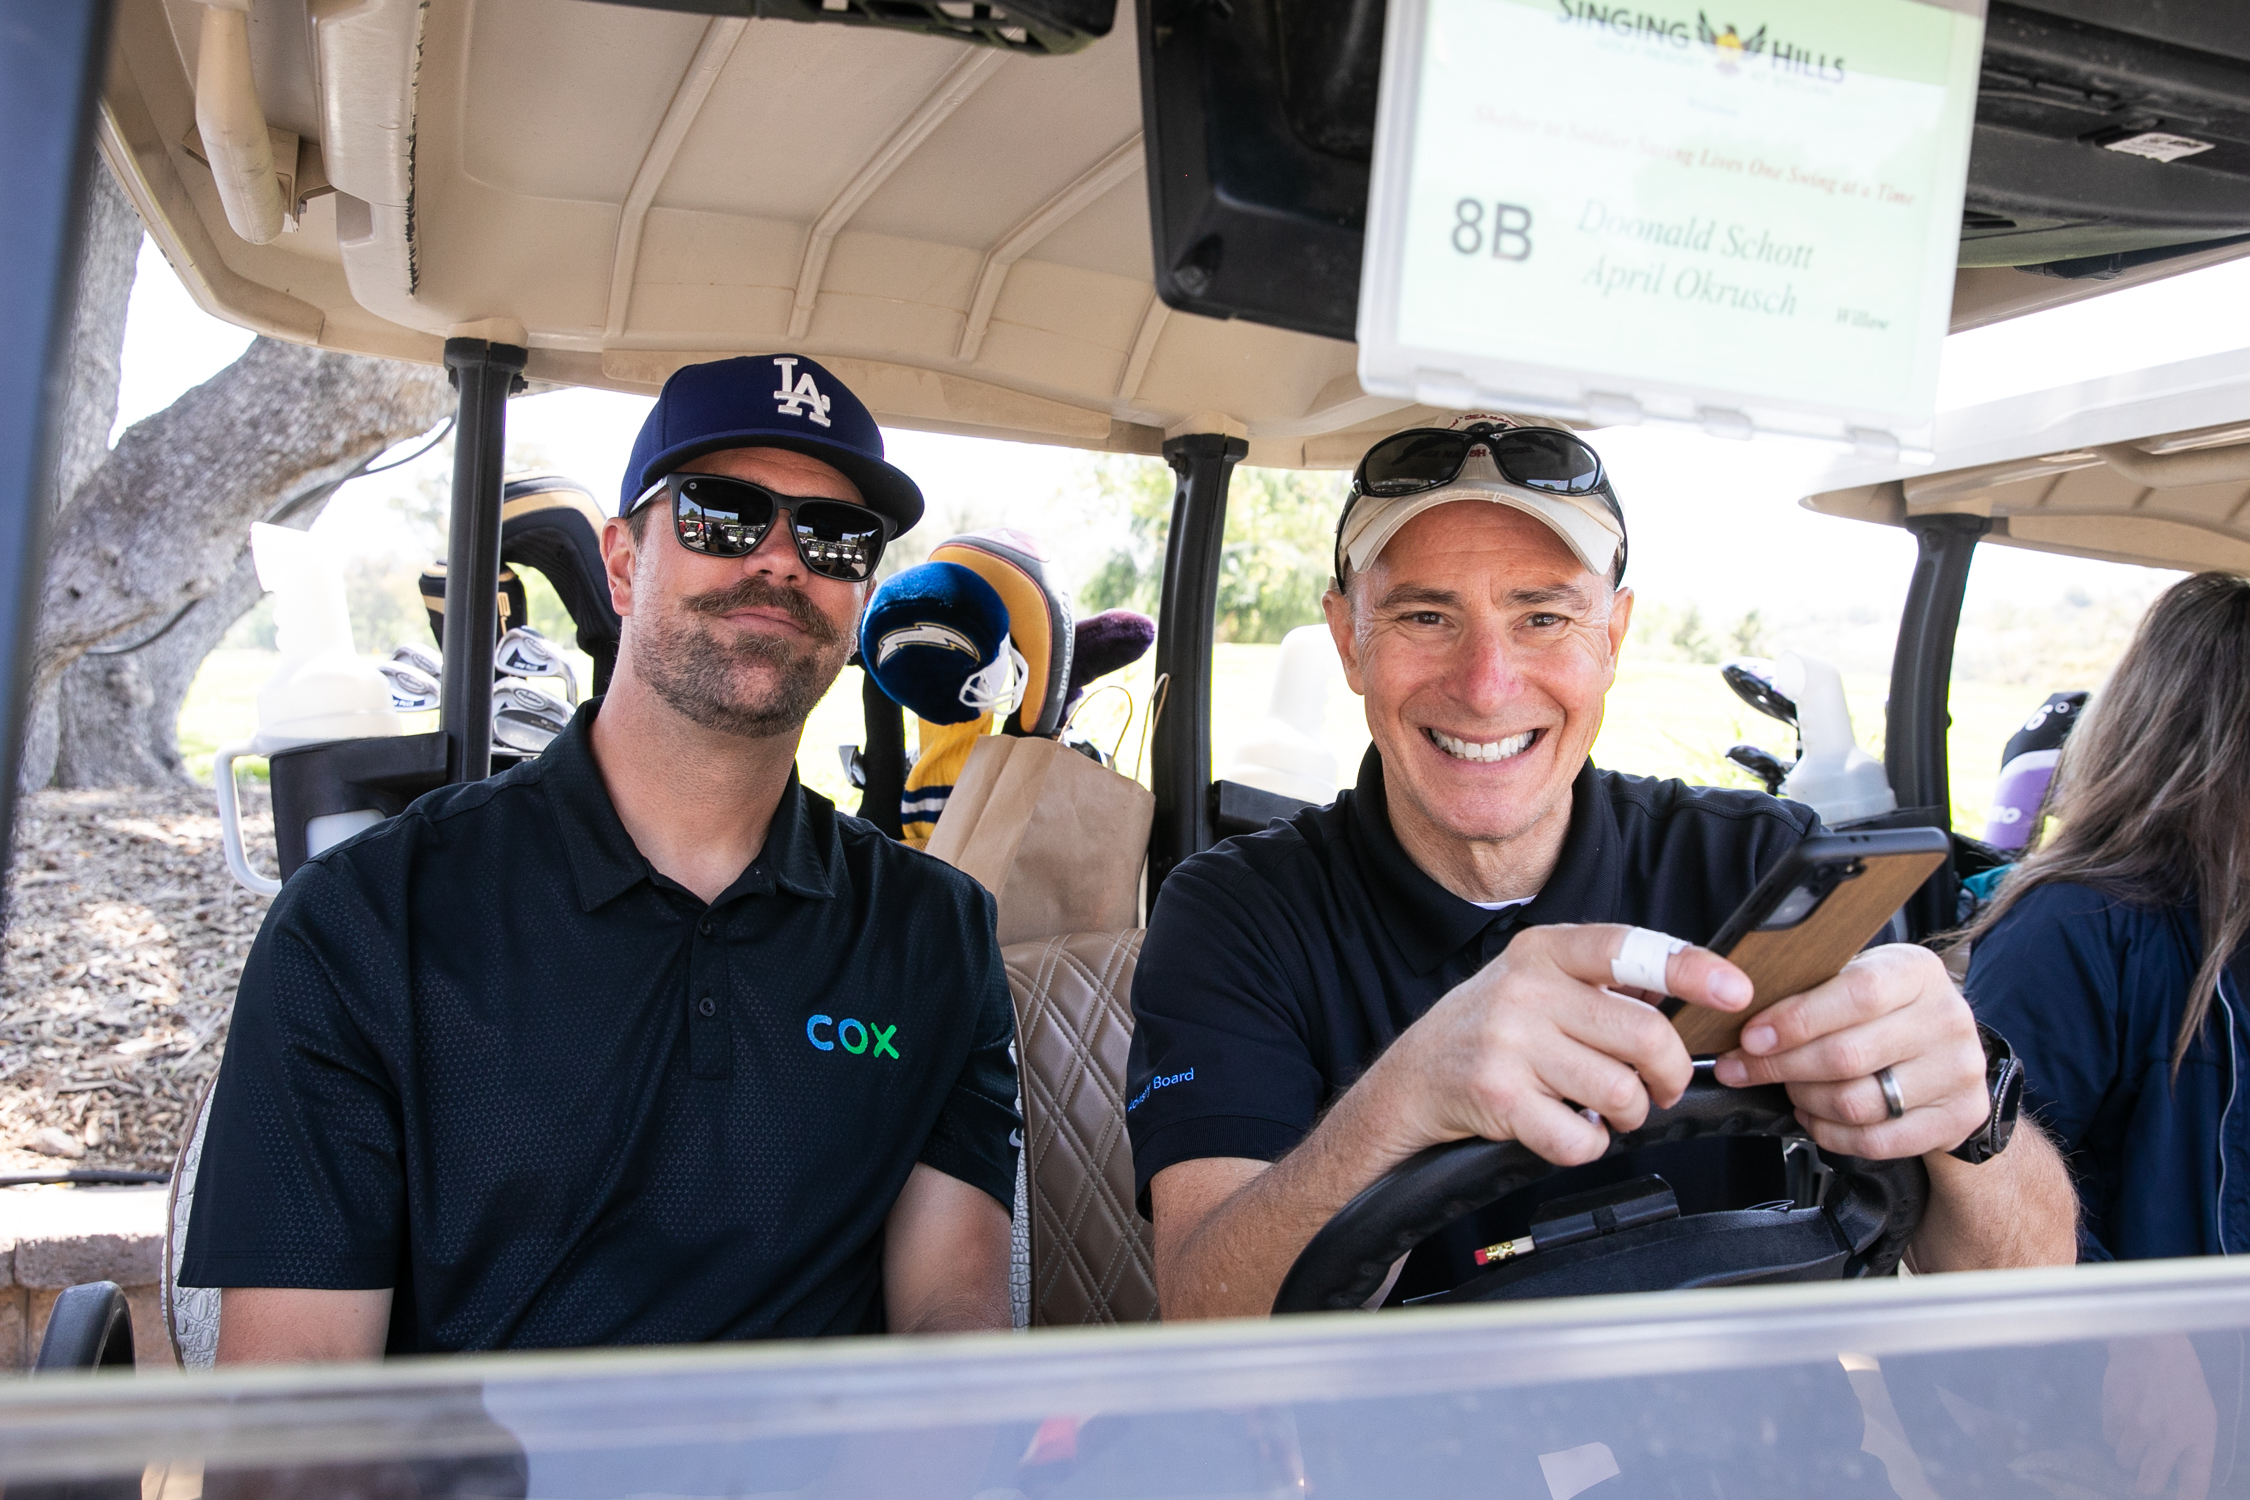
(1274,560)
(1677,632)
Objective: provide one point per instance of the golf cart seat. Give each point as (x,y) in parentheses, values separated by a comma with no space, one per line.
(191,1313)
(1092,1254)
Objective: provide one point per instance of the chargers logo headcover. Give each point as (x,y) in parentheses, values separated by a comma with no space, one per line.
(803,399)
(926,633)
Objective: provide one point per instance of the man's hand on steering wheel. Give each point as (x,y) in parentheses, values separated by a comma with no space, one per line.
(1544,1023)
(1891,1008)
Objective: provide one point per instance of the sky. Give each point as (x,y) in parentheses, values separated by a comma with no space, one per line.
(1713,522)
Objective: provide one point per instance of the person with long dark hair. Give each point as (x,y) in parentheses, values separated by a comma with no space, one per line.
(2113,958)
(2105,956)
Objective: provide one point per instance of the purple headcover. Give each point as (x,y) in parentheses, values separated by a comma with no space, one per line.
(1103,643)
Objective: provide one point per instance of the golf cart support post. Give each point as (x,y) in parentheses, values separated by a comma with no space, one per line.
(1180,768)
(1919,714)
(1914,726)
(485,375)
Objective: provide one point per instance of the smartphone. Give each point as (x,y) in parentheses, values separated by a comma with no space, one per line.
(1816,908)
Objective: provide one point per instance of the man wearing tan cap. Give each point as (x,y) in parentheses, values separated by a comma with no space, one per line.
(1464,944)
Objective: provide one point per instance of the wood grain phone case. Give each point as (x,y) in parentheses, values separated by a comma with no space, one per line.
(1874,873)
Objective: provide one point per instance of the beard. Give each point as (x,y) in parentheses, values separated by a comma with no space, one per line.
(757,687)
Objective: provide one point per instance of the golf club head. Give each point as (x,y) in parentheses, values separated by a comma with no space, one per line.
(1761,763)
(524,652)
(413,690)
(525,719)
(421,658)
(1751,677)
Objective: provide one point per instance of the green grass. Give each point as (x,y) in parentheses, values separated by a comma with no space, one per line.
(1678,718)
(222,705)
(1663,719)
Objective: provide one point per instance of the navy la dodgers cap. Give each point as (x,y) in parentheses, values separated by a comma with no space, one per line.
(768,401)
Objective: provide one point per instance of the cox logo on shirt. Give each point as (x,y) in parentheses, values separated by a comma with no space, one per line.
(853,1036)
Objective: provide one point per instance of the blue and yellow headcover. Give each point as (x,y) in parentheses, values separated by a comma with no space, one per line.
(928,632)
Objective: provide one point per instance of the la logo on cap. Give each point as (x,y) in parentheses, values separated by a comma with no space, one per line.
(804,398)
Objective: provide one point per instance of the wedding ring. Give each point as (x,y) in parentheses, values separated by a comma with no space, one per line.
(1640,960)
(1894,1103)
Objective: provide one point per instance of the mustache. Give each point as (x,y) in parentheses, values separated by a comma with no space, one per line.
(753,592)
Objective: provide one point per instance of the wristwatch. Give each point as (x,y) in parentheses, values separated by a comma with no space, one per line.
(2003,1081)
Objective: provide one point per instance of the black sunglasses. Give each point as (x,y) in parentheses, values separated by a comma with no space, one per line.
(718,516)
(1420,459)
(1424,458)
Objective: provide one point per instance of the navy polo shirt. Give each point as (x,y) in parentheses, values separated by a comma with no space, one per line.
(1279,965)
(2090,987)
(485,1055)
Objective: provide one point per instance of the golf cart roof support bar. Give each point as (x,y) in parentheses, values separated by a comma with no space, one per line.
(485,375)
(50,69)
(1922,667)
(883,760)
(1180,763)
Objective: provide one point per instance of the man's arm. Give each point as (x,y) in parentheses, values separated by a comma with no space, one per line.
(291,1325)
(279,1221)
(2017,1209)
(1219,1219)
(1496,1057)
(945,1257)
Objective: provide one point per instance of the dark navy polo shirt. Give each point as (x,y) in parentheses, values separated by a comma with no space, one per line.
(1278,965)
(485,1055)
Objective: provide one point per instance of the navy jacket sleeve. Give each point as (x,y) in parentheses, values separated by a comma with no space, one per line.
(2048,977)
(300,1182)
(1220,1065)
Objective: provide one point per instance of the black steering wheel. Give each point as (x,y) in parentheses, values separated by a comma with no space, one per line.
(1867,1213)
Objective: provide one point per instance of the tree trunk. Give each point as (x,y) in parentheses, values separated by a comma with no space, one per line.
(111,250)
(164,524)
(118,715)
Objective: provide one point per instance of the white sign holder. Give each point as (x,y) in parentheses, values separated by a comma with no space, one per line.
(1615,214)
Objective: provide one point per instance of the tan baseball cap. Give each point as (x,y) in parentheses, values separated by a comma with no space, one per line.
(1588,526)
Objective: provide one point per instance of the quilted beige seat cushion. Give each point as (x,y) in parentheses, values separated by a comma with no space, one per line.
(1092,1259)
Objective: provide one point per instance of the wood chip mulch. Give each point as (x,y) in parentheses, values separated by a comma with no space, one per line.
(125,938)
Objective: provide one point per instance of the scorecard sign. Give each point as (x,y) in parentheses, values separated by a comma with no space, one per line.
(1742,213)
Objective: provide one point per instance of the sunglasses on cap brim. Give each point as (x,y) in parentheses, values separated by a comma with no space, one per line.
(1547,460)
(719,516)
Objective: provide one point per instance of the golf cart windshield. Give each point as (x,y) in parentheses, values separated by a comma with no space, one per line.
(1946,1386)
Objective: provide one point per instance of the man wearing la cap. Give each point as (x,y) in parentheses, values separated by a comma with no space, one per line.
(1439,954)
(642,1041)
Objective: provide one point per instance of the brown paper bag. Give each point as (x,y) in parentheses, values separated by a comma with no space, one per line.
(1056,838)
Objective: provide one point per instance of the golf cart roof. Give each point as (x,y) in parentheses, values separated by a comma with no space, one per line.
(2179,500)
(961,231)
